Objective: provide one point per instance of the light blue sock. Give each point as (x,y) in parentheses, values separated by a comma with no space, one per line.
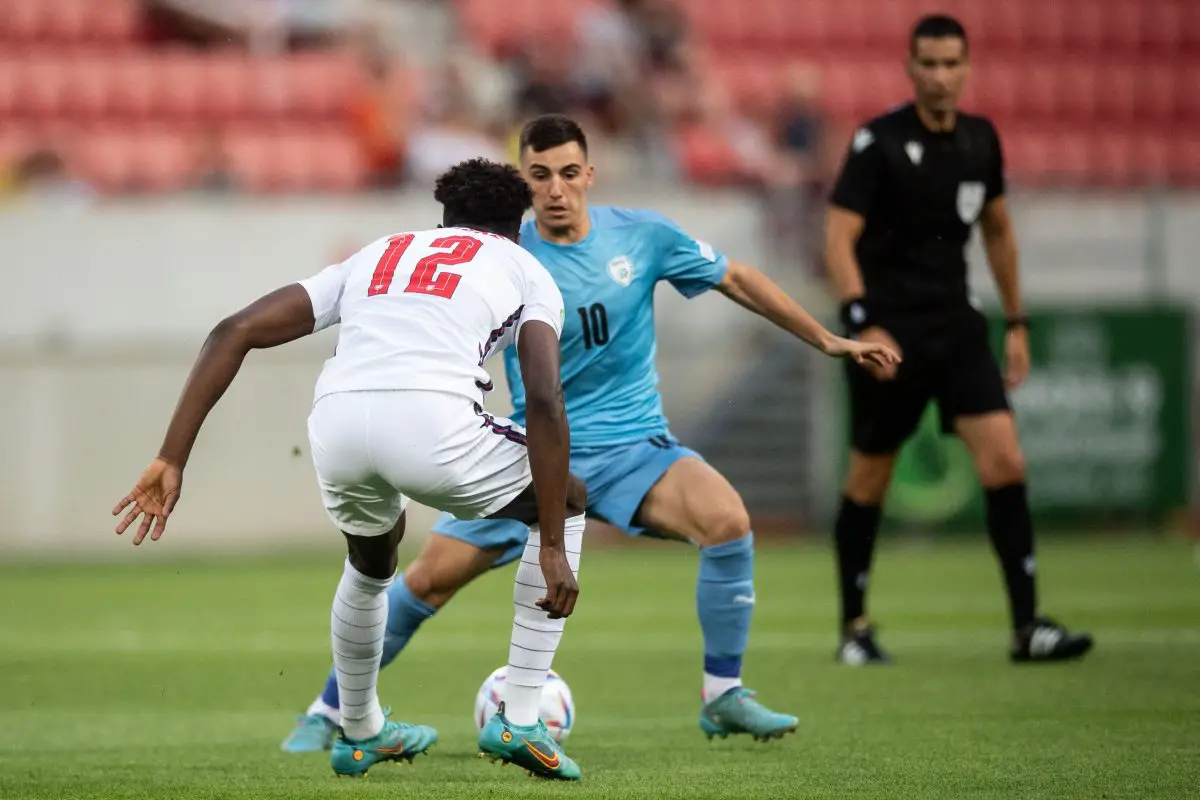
(725,603)
(405,614)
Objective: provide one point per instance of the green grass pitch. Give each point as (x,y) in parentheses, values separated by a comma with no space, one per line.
(178,679)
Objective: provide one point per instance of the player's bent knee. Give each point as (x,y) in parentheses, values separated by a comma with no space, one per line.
(577,496)
(728,523)
(433,587)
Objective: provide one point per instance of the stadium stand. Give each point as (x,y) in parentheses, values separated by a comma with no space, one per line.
(1085,92)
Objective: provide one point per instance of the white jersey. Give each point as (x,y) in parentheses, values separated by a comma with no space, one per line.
(424,311)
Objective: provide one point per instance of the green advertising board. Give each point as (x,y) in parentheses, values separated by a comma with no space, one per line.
(1104,420)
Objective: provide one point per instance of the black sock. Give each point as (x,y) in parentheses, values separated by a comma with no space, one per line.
(1011,530)
(854,536)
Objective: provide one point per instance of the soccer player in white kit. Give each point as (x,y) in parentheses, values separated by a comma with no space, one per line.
(397,414)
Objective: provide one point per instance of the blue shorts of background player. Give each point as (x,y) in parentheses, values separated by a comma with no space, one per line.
(617,478)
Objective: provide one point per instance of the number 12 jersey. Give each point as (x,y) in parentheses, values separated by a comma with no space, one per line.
(422,311)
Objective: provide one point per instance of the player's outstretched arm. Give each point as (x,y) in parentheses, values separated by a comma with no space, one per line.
(751,289)
(277,318)
(549,459)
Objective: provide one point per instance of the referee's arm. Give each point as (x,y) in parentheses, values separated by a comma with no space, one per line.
(1000,244)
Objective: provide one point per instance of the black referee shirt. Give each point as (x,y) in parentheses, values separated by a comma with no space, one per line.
(919,191)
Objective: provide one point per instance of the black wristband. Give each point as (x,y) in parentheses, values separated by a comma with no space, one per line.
(855,315)
(1019,321)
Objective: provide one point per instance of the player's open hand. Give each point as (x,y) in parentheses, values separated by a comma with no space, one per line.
(1016,357)
(152,498)
(561,587)
(875,350)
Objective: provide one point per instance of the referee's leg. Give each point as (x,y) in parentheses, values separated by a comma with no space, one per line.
(992,439)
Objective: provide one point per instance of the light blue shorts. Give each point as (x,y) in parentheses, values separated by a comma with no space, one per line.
(617,479)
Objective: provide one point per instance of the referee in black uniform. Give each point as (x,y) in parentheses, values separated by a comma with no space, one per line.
(913,184)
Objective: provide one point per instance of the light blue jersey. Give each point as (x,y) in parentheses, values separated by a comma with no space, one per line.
(608,342)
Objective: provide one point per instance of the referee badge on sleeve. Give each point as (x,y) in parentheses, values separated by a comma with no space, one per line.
(970,201)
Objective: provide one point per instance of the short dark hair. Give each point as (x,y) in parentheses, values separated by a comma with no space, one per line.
(483,194)
(937,26)
(551,130)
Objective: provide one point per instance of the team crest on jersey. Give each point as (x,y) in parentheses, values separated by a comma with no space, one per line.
(620,269)
(915,151)
(970,201)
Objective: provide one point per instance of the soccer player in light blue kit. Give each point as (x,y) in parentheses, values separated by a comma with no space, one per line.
(607,262)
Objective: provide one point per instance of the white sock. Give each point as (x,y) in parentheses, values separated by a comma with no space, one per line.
(715,686)
(320,708)
(535,637)
(357,623)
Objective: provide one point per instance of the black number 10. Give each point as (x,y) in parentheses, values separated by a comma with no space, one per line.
(595,325)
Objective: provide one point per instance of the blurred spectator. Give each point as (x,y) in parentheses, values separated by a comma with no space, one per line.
(544,84)
(378,112)
(213,173)
(753,152)
(607,60)
(41,177)
(797,207)
(452,129)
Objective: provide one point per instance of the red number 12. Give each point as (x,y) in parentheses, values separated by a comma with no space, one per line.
(425,278)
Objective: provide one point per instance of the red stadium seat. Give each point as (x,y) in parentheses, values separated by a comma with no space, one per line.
(1185,159)
(1151,154)
(10,85)
(1154,103)
(995,89)
(1161,27)
(294,162)
(89,90)
(166,160)
(179,86)
(1121,25)
(1084,36)
(706,157)
(1048,29)
(15,143)
(1038,86)
(21,20)
(109,159)
(113,20)
(1118,90)
(43,86)
(227,81)
(1077,80)
(1112,158)
(250,155)
(134,86)
(1003,26)
(323,83)
(1189,40)
(1185,95)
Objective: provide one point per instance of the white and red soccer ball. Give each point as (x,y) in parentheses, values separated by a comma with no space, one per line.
(557,709)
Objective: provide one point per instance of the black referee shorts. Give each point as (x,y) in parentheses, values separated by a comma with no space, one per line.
(946,359)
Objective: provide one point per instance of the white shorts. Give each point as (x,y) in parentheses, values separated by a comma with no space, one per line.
(373,451)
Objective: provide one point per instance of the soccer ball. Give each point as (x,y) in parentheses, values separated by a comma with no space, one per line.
(557,709)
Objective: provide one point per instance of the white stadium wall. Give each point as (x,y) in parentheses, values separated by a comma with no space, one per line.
(106,308)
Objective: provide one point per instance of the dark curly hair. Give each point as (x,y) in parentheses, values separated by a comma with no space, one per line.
(483,194)
(549,131)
